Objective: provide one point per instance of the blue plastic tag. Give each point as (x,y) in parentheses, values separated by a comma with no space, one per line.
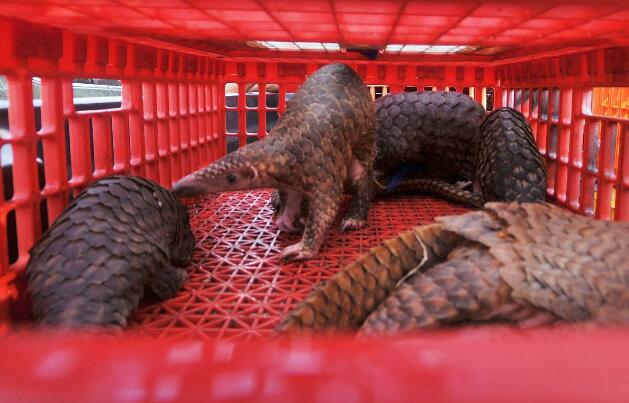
(397,176)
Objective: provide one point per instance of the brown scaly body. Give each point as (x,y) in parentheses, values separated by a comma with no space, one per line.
(507,166)
(446,146)
(322,144)
(343,302)
(530,263)
(436,130)
(119,238)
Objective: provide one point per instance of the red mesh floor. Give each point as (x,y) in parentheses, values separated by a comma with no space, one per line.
(237,289)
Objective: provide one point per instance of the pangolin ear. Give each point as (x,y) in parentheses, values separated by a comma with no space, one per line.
(249,172)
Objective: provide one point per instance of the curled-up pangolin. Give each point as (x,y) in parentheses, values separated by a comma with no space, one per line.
(121,236)
(436,131)
(322,144)
(529,263)
(507,165)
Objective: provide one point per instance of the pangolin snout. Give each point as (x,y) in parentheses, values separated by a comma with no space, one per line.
(189,187)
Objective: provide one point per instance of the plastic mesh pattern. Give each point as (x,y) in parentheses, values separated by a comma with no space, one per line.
(237,289)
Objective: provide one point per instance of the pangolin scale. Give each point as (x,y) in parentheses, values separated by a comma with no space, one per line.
(121,237)
(508,166)
(437,131)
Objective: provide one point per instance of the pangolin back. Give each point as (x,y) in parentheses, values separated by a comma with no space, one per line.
(437,130)
(120,237)
(508,165)
(570,265)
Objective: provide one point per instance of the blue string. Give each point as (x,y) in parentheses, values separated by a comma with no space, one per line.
(397,176)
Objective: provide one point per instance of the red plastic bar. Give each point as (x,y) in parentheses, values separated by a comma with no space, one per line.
(577,130)
(474,365)
(242,118)
(23,139)
(590,158)
(622,192)
(262,110)
(80,151)
(163,141)
(176,145)
(54,146)
(149,98)
(121,148)
(132,102)
(184,127)
(608,148)
(198,119)
(192,124)
(563,157)
(103,157)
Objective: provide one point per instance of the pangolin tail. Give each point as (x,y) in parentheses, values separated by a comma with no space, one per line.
(343,302)
(436,187)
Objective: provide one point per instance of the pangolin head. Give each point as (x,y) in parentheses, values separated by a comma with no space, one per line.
(246,168)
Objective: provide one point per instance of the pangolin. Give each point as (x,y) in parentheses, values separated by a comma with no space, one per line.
(436,131)
(121,237)
(507,165)
(529,263)
(322,144)
(433,134)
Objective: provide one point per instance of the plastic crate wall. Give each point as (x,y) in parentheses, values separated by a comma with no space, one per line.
(173,114)
(168,124)
(582,135)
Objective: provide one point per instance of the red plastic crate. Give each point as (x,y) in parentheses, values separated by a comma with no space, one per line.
(563,64)
(473,365)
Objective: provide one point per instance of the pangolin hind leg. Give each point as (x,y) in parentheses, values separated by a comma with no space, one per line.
(288,219)
(166,282)
(279,199)
(361,190)
(322,211)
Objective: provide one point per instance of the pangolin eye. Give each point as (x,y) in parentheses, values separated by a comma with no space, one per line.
(231,178)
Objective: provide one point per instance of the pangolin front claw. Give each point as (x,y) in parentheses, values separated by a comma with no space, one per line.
(349,224)
(463,184)
(296,252)
(285,225)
